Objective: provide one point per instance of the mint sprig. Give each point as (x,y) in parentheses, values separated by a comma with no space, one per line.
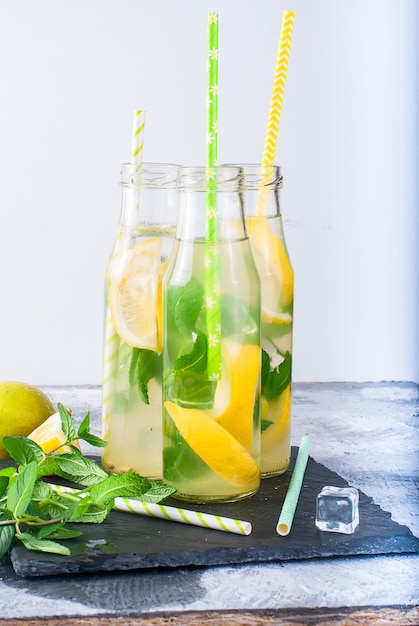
(36,515)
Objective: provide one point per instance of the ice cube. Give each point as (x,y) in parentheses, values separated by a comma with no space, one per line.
(337,509)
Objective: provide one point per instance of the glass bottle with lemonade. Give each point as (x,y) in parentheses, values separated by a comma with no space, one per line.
(265,228)
(132,393)
(211,344)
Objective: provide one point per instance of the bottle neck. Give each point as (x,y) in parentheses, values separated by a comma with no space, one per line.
(211,204)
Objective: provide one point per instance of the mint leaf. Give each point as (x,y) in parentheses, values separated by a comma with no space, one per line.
(7,532)
(143,367)
(123,485)
(66,423)
(264,424)
(84,426)
(79,469)
(90,513)
(7,471)
(93,440)
(22,449)
(184,305)
(156,493)
(4,483)
(196,360)
(20,493)
(64,533)
(42,545)
(278,379)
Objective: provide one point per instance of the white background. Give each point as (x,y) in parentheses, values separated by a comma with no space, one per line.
(71,74)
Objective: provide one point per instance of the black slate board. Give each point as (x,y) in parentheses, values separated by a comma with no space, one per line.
(126,541)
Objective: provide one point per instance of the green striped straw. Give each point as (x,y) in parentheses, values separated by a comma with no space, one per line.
(286,517)
(212,268)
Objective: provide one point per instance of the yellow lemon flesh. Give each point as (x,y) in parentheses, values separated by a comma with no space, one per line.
(274,268)
(134,295)
(50,435)
(22,408)
(214,445)
(243,364)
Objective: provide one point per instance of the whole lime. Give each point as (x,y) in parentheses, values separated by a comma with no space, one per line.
(22,409)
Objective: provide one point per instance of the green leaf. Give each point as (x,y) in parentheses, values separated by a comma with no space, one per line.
(41,491)
(20,493)
(84,426)
(7,533)
(67,423)
(8,471)
(90,513)
(278,379)
(123,485)
(42,545)
(65,533)
(264,424)
(93,440)
(22,449)
(196,360)
(4,483)
(157,492)
(49,467)
(79,469)
(184,305)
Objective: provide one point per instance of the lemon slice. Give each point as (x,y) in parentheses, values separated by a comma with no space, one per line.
(243,364)
(50,435)
(133,295)
(274,268)
(214,445)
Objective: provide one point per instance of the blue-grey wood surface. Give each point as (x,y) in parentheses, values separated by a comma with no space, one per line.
(366,432)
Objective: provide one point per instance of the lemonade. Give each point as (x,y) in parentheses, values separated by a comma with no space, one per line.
(277,283)
(132,393)
(211,426)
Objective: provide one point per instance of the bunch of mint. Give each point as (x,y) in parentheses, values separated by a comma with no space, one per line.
(36,514)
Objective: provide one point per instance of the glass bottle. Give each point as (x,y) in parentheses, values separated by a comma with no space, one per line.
(264,222)
(132,395)
(211,311)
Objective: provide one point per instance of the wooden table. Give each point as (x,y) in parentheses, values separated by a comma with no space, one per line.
(368,433)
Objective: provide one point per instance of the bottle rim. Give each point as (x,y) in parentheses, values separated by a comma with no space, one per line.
(149,174)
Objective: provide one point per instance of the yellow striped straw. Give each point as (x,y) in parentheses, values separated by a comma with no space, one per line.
(277,96)
(112,341)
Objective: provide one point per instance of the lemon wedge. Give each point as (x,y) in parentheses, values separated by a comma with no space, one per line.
(274,268)
(242,364)
(214,445)
(134,295)
(50,435)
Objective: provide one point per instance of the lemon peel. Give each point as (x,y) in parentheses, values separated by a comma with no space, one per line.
(274,268)
(134,295)
(214,445)
(243,364)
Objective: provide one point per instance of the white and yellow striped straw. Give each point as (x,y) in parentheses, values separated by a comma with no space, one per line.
(277,96)
(175,514)
(112,341)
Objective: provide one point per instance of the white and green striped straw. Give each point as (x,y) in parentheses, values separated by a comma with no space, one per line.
(175,514)
(112,340)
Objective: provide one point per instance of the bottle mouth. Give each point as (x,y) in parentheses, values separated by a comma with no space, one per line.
(150,174)
(218,178)
(257,176)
